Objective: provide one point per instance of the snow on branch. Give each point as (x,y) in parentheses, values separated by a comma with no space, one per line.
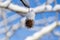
(42,32)
(59,23)
(42,8)
(50,1)
(5,4)
(17,8)
(57,33)
(57,7)
(46,8)
(11,18)
(13,29)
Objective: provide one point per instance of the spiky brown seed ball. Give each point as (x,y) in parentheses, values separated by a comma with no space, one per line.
(29,23)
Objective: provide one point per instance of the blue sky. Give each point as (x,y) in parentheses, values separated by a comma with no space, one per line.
(22,33)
